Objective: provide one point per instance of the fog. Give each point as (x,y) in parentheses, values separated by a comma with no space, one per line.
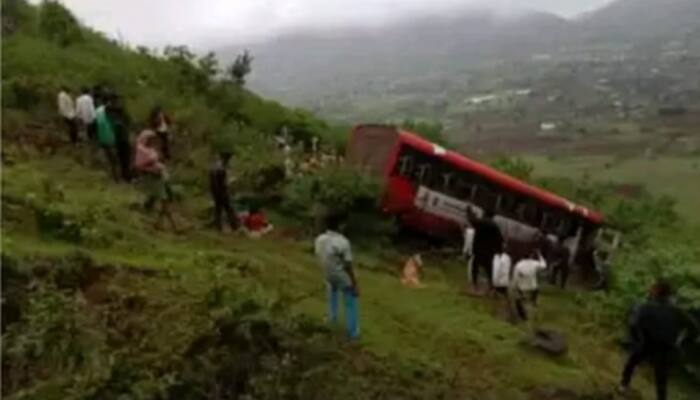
(209,23)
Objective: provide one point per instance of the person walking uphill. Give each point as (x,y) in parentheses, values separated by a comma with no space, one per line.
(657,327)
(66,108)
(335,256)
(218,186)
(160,123)
(105,137)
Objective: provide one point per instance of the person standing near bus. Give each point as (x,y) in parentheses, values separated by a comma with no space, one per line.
(488,241)
(333,251)
(525,282)
(501,277)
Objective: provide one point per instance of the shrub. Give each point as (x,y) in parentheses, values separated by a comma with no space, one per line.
(338,189)
(514,166)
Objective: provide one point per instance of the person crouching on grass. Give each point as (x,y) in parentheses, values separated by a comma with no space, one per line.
(154,177)
(335,256)
(525,282)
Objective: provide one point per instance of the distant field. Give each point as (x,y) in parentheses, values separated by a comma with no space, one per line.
(678,177)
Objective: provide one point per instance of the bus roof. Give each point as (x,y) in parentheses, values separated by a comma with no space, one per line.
(499,178)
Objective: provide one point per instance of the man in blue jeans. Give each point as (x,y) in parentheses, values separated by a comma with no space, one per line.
(334,254)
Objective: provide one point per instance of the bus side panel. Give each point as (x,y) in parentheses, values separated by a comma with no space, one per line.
(400,200)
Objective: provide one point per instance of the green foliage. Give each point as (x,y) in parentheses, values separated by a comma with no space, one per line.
(431,131)
(338,190)
(56,23)
(15,15)
(113,334)
(514,166)
(240,68)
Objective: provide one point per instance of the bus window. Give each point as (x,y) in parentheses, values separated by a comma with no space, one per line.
(405,165)
(423,173)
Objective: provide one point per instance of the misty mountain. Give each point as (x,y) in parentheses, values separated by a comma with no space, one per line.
(305,67)
(638,20)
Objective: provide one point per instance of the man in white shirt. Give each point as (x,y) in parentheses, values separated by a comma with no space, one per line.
(525,281)
(85,112)
(66,108)
(501,276)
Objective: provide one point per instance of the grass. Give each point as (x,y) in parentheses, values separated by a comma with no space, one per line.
(437,326)
(671,176)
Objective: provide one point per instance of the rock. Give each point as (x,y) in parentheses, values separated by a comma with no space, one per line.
(549,341)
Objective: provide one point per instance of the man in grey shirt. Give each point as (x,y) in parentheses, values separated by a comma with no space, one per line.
(335,256)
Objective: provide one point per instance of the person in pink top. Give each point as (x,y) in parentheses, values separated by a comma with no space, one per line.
(154,176)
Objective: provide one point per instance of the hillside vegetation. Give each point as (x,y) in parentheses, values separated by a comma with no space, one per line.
(97,304)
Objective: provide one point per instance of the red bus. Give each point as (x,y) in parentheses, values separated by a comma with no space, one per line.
(429,188)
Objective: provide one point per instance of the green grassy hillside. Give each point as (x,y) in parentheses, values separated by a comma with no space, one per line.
(97,304)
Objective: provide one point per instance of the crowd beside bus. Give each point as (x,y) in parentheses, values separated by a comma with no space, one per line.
(98,117)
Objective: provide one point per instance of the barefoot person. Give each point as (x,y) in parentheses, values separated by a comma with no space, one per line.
(154,176)
(334,254)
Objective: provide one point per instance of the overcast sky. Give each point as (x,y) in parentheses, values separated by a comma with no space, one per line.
(211,23)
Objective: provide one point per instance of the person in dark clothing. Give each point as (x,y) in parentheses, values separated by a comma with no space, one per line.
(218,185)
(488,241)
(559,262)
(160,123)
(656,328)
(121,123)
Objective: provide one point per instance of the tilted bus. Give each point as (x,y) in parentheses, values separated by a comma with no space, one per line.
(429,188)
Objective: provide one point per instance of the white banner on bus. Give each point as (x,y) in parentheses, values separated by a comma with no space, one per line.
(441,205)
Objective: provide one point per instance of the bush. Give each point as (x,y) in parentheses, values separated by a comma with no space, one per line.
(514,166)
(340,189)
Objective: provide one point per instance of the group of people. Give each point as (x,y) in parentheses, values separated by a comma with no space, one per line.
(98,115)
(655,326)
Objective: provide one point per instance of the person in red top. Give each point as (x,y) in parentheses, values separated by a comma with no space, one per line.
(256,222)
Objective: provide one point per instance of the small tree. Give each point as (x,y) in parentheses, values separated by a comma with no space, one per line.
(209,65)
(240,68)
